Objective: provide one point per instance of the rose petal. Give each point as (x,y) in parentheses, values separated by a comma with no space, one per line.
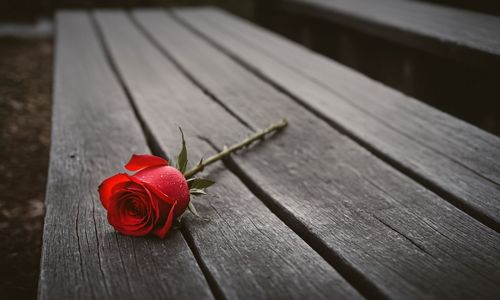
(152,202)
(106,187)
(141,161)
(120,218)
(159,194)
(163,230)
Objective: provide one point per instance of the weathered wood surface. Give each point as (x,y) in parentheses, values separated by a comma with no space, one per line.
(466,36)
(249,253)
(310,214)
(94,131)
(385,233)
(455,159)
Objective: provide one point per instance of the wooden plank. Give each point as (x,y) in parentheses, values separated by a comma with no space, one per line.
(248,252)
(94,131)
(387,234)
(455,159)
(466,36)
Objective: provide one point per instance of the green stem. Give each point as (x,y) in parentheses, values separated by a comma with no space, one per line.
(227,151)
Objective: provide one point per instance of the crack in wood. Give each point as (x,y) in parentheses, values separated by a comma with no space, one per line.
(421,248)
(122,262)
(98,252)
(78,238)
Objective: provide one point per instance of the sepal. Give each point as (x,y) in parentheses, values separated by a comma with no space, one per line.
(182,157)
(193,210)
(197,192)
(199,183)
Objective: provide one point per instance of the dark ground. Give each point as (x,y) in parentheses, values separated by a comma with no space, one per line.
(25,96)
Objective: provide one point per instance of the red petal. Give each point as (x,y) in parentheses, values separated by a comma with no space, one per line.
(162,232)
(141,161)
(158,193)
(106,187)
(118,215)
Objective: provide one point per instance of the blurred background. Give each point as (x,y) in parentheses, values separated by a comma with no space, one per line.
(26,54)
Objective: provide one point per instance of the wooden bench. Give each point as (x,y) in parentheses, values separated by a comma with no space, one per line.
(367,193)
(462,35)
(444,56)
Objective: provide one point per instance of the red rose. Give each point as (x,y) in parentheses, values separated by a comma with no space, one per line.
(148,201)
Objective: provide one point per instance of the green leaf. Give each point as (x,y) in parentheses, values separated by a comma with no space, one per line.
(182,157)
(197,192)
(193,209)
(199,183)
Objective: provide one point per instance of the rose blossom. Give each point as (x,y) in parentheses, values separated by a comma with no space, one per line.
(148,201)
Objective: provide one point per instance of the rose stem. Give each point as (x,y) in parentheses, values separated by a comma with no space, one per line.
(238,146)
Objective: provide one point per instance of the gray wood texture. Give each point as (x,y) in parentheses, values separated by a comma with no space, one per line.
(248,252)
(466,36)
(453,158)
(309,214)
(94,131)
(389,236)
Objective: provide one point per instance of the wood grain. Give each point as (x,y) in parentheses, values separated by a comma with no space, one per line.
(466,36)
(455,159)
(248,252)
(94,131)
(387,234)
